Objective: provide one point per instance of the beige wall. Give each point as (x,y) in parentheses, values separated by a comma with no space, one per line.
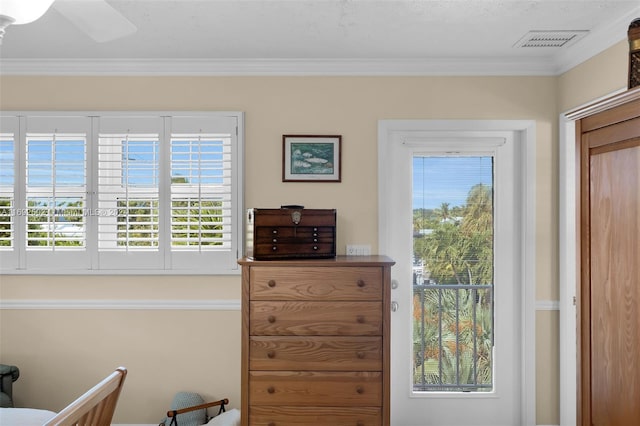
(599,76)
(63,352)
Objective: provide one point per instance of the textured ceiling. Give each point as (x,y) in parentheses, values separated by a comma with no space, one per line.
(325,36)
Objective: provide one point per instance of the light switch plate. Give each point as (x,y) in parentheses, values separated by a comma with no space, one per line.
(358,249)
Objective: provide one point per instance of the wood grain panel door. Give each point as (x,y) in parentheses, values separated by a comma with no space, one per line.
(609,294)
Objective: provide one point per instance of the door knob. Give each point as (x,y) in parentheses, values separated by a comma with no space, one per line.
(394,306)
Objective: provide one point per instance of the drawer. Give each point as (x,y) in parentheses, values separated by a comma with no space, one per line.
(292,249)
(274,318)
(313,388)
(284,234)
(285,217)
(315,353)
(317,283)
(314,416)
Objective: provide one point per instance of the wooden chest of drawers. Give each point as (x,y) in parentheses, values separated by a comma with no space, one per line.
(315,341)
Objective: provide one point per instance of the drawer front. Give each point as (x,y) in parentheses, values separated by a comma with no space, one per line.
(316,283)
(315,353)
(314,416)
(311,388)
(312,234)
(292,318)
(285,217)
(291,250)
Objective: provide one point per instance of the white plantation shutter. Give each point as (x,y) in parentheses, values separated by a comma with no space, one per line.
(129,192)
(7,210)
(56,192)
(8,136)
(202,190)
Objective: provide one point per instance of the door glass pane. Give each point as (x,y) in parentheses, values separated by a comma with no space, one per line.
(453,273)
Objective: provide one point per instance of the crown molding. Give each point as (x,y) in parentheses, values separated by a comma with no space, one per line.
(280,67)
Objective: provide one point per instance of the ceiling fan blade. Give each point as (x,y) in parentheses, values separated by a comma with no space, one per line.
(96,18)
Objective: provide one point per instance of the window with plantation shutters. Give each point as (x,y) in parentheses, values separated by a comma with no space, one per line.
(136,191)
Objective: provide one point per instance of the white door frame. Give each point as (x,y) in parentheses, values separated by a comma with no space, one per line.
(524,131)
(567,272)
(568,258)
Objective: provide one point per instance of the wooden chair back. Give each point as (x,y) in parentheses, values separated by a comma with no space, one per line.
(96,406)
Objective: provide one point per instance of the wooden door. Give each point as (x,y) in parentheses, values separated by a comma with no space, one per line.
(609,290)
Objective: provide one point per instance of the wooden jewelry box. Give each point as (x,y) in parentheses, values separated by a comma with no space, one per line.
(290,232)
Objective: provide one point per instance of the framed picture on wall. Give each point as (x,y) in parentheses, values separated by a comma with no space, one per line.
(311,158)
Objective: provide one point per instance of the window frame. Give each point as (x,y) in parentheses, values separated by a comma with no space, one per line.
(19,260)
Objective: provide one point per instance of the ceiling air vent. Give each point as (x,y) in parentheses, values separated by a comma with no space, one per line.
(554,39)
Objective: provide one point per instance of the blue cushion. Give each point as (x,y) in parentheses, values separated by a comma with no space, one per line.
(192,418)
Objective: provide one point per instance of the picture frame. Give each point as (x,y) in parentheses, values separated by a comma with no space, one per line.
(311,158)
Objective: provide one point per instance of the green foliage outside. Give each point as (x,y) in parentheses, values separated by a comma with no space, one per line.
(138,223)
(5,222)
(453,328)
(58,212)
(40,211)
(196,223)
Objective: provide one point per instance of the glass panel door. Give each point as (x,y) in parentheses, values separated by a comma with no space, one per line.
(450,220)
